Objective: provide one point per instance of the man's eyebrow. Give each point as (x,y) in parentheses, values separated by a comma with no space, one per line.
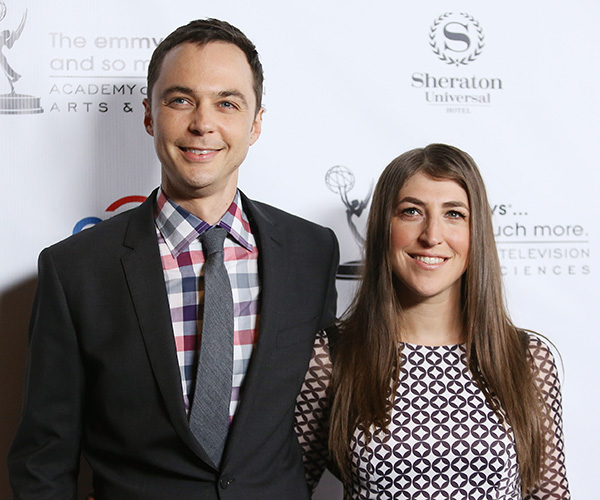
(175,89)
(233,93)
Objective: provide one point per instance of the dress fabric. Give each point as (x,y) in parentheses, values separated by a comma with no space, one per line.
(443,440)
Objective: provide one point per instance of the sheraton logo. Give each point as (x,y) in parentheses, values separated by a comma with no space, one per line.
(458,40)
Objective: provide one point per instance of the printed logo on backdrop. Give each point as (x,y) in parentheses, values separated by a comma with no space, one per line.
(13,103)
(102,73)
(528,245)
(456,38)
(111,210)
(340,180)
(457,41)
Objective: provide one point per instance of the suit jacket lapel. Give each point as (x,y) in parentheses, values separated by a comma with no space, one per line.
(143,270)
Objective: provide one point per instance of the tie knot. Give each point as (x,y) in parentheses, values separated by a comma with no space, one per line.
(212,240)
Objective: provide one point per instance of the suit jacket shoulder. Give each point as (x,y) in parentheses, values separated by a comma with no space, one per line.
(266,218)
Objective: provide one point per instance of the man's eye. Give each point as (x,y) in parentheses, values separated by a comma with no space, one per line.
(178,101)
(227,104)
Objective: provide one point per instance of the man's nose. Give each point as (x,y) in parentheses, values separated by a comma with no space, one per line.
(203,120)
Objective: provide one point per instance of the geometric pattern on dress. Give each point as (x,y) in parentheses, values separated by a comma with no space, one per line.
(443,440)
(555,484)
(312,412)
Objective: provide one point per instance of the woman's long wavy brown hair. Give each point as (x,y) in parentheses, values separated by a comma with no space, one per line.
(367,361)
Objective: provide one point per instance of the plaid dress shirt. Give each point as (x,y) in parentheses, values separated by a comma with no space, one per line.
(178,233)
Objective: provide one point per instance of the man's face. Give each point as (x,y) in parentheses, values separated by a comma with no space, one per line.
(202,115)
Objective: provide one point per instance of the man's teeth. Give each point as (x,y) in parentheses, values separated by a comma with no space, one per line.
(429,260)
(199,151)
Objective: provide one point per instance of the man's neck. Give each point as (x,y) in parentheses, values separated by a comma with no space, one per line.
(209,208)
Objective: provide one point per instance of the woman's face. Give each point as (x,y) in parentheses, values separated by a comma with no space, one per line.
(430,238)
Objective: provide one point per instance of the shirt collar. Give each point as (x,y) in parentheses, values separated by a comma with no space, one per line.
(179,227)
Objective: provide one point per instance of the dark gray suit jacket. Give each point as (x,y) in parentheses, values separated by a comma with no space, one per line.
(103,377)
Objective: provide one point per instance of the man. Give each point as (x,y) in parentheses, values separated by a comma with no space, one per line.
(119,310)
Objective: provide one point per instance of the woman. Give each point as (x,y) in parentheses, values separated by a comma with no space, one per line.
(434,393)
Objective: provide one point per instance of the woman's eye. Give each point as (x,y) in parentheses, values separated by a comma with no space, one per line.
(454,214)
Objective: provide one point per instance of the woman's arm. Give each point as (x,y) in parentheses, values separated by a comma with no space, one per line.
(554,484)
(312,412)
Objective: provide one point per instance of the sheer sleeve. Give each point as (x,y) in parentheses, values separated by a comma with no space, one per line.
(554,484)
(312,412)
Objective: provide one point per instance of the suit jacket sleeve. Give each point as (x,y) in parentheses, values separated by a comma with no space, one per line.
(329,313)
(44,458)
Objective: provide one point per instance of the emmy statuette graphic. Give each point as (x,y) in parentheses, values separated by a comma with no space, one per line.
(340,180)
(13,103)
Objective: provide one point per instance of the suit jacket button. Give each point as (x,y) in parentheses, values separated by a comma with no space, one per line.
(224,482)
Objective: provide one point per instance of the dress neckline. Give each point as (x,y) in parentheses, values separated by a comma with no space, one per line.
(412,346)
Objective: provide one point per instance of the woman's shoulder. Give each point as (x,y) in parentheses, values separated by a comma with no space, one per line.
(539,348)
(544,364)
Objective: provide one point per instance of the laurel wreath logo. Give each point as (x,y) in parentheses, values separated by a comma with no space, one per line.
(447,58)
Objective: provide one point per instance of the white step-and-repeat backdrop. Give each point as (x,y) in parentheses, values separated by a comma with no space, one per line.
(349,86)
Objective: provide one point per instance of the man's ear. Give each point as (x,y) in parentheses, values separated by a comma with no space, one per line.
(256,126)
(148,122)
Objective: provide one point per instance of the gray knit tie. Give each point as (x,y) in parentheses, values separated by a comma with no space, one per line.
(209,415)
